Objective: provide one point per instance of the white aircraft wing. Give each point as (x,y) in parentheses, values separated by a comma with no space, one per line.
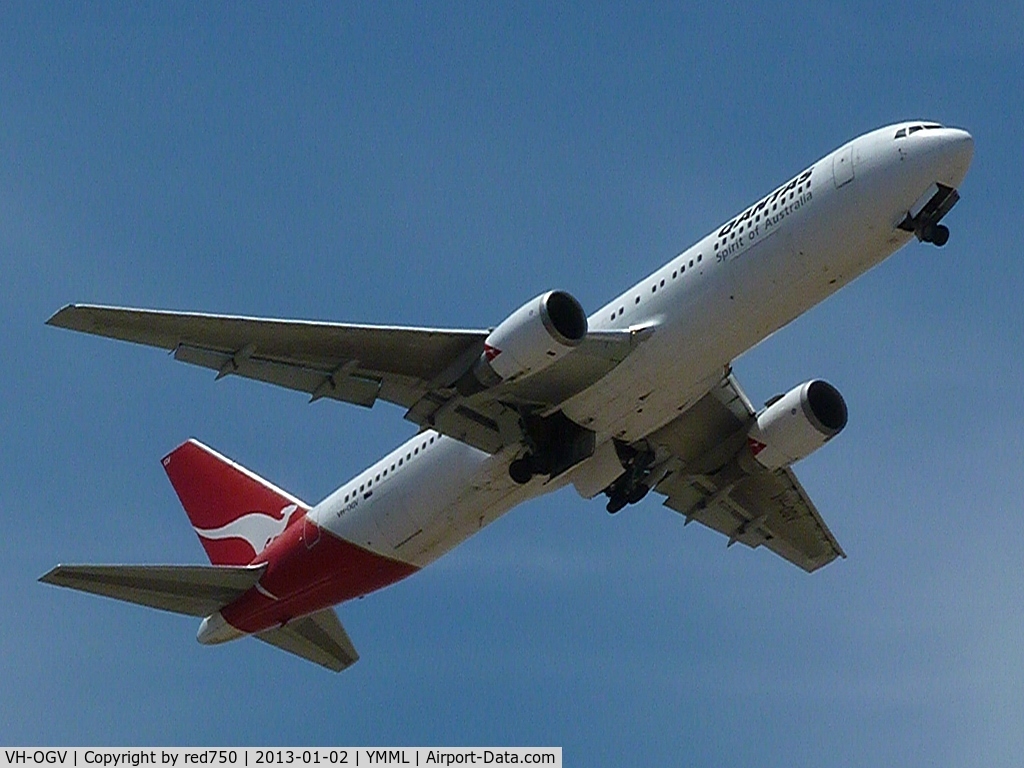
(768,508)
(353,363)
(416,368)
(318,637)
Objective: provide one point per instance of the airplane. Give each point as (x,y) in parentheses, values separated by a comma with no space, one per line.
(639,396)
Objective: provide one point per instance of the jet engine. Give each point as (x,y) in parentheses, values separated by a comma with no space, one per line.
(539,333)
(797,424)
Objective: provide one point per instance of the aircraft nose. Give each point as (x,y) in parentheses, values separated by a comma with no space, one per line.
(959,149)
(962,144)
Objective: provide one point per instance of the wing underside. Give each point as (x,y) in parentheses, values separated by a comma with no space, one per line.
(415,368)
(758,508)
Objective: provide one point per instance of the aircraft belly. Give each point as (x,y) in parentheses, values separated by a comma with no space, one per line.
(418,516)
(301,579)
(401,507)
(684,357)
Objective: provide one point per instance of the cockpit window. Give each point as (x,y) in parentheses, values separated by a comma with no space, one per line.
(914,129)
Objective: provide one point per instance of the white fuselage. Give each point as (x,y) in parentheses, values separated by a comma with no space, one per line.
(723,295)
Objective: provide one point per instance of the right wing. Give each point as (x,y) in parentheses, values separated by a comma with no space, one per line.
(318,637)
(755,508)
(193,590)
(416,368)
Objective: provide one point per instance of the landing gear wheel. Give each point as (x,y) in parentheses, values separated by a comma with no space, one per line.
(638,493)
(935,233)
(615,504)
(521,470)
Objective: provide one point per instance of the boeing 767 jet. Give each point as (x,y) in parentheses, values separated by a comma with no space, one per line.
(637,397)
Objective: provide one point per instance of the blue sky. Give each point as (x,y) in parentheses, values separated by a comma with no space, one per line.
(438,165)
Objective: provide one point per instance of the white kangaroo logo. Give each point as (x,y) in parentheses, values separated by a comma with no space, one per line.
(256,528)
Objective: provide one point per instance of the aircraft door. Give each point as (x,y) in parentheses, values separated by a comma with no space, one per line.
(842,166)
(395,515)
(310,531)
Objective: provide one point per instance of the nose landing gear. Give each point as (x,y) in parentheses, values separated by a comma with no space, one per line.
(935,233)
(923,219)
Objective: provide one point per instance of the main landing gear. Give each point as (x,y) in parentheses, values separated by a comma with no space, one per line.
(521,470)
(620,497)
(554,444)
(639,477)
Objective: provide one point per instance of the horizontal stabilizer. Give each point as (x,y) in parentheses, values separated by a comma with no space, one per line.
(318,637)
(194,590)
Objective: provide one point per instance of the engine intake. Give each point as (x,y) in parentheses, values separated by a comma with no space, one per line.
(797,424)
(536,335)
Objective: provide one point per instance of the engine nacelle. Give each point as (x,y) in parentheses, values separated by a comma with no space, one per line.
(539,333)
(797,424)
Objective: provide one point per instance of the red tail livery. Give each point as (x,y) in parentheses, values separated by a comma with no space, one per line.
(235,512)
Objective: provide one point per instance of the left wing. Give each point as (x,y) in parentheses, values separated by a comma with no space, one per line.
(755,507)
(353,363)
(416,368)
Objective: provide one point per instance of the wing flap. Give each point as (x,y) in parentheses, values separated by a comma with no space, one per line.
(193,590)
(317,382)
(318,637)
(769,509)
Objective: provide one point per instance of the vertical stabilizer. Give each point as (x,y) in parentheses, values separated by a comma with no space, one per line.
(235,512)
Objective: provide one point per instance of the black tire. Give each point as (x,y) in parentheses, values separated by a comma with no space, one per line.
(638,493)
(615,504)
(521,471)
(940,235)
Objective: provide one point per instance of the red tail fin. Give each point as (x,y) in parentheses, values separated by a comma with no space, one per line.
(234,512)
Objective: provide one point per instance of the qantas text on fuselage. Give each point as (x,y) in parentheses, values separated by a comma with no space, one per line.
(636,397)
